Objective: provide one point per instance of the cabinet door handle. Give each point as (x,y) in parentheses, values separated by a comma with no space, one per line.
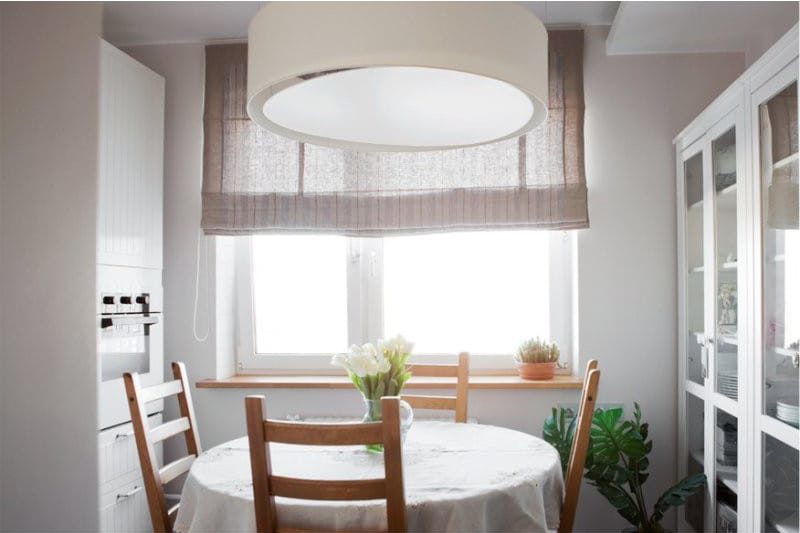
(107,322)
(704,358)
(126,495)
(123,436)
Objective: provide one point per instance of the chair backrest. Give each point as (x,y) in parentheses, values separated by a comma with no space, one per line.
(580,447)
(457,403)
(261,431)
(154,477)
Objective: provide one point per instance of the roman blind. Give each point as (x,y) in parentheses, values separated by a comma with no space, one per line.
(257,182)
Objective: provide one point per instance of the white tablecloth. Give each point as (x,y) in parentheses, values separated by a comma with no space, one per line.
(458,477)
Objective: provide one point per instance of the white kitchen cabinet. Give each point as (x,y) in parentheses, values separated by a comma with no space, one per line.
(739,301)
(123,502)
(129,235)
(131,160)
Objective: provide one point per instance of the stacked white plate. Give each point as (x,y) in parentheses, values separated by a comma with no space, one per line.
(728,384)
(726,439)
(787,411)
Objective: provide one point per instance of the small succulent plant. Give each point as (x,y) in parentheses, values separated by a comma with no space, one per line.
(537,351)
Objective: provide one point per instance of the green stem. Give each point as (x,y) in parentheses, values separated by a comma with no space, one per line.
(636,489)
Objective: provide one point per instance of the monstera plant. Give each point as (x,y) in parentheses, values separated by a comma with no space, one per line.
(617,464)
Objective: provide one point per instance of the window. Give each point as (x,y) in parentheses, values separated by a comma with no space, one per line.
(304,298)
(299,294)
(477,292)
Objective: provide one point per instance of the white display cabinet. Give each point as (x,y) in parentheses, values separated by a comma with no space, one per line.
(739,301)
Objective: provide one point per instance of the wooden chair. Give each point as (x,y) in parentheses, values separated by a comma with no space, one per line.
(457,403)
(580,447)
(154,477)
(261,431)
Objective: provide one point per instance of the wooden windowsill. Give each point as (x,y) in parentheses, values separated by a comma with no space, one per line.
(342,382)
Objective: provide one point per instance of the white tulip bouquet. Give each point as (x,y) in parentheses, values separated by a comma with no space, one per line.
(380,371)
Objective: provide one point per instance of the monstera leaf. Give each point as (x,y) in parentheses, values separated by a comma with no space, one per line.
(558,432)
(622,502)
(616,459)
(642,464)
(676,495)
(614,438)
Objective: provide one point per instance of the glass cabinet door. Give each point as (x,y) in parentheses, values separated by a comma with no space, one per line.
(723,157)
(726,450)
(781,255)
(695,284)
(695,510)
(780,468)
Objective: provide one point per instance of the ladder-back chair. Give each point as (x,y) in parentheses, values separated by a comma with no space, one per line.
(457,403)
(261,431)
(580,447)
(154,477)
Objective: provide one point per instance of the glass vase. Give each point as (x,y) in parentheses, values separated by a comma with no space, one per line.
(373,414)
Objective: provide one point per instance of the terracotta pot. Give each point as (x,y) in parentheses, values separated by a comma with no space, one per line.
(536,370)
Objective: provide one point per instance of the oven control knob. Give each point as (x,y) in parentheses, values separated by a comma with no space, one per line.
(108,300)
(125,299)
(143,299)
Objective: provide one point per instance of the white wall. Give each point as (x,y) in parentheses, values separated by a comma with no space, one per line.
(627,277)
(627,259)
(48,412)
(767,34)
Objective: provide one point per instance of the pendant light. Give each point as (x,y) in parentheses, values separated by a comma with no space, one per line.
(397,76)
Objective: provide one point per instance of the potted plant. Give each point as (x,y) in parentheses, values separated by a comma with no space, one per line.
(617,464)
(378,372)
(537,359)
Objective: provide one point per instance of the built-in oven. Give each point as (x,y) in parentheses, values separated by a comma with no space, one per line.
(129,338)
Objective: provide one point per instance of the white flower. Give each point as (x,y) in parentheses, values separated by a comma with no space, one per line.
(383,346)
(398,345)
(366,360)
(383,364)
(363,360)
(341,360)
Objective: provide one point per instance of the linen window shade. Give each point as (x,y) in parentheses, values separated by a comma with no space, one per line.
(257,182)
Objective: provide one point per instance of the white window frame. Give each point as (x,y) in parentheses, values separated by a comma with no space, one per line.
(365,311)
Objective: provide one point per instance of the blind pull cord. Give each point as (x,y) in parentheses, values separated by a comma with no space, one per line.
(198,337)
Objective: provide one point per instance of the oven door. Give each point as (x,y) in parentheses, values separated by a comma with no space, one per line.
(127,343)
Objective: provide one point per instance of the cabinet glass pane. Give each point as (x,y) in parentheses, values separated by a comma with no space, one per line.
(693,173)
(724,165)
(726,450)
(781,249)
(695,416)
(780,487)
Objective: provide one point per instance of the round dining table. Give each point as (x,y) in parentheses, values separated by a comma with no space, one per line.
(458,477)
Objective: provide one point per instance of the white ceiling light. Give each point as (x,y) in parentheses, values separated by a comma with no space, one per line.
(397,76)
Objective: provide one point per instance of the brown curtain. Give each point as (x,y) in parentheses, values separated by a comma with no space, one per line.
(257,182)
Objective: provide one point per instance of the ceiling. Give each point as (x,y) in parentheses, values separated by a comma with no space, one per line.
(692,27)
(636,27)
(136,23)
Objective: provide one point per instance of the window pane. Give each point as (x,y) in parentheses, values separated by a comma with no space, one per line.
(482,292)
(300,294)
